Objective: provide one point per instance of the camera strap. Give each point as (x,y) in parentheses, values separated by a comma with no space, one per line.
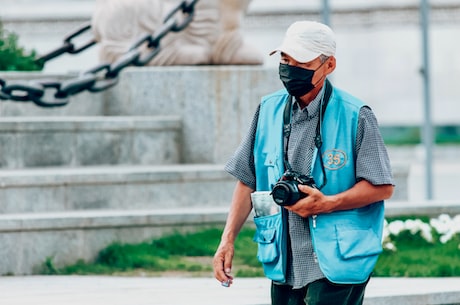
(287,126)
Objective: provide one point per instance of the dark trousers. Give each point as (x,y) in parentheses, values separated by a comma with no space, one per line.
(320,292)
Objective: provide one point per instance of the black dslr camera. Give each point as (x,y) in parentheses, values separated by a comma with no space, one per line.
(286,191)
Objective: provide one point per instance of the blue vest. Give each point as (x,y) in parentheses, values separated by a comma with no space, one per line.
(347,243)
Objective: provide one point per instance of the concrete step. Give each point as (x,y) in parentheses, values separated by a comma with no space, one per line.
(81,141)
(29,239)
(114,187)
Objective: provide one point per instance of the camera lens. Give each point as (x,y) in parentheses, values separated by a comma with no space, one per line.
(281,194)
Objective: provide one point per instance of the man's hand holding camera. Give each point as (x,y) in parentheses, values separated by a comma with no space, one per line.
(314,203)
(299,194)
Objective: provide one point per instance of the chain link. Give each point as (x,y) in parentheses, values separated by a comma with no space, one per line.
(54,93)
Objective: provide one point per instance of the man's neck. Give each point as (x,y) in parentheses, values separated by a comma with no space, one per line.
(306,99)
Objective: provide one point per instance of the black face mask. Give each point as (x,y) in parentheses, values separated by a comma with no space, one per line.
(296,80)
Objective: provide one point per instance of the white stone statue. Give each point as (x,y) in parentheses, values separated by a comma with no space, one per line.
(213,37)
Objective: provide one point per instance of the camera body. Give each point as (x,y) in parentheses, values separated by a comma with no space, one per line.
(286,191)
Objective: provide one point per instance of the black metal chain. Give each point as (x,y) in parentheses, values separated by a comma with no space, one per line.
(54,93)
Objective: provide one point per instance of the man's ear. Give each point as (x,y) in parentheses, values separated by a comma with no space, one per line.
(330,64)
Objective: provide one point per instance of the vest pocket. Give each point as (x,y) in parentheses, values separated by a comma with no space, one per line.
(270,246)
(267,251)
(357,242)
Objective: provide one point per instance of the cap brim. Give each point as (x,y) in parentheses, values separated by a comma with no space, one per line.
(300,56)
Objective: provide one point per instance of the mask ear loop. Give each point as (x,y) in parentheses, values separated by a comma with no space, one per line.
(320,80)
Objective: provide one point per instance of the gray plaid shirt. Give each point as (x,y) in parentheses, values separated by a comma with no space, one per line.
(372,164)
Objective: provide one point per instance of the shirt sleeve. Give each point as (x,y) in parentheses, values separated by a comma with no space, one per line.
(241,164)
(372,161)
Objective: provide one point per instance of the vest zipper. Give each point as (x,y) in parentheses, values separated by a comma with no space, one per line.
(314,220)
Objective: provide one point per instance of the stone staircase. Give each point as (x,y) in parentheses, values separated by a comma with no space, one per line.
(74,141)
(109,167)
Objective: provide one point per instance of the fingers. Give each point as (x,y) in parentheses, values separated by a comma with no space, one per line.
(228,263)
(305,188)
(222,264)
(313,204)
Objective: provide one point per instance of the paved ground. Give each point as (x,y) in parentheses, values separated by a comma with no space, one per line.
(103,290)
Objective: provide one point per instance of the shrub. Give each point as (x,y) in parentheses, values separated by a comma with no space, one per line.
(12,56)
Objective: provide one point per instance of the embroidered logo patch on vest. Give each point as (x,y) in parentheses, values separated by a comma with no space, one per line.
(334,159)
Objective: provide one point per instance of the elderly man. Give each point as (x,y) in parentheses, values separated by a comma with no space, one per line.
(318,152)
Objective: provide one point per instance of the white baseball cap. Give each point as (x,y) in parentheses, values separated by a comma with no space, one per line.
(306,40)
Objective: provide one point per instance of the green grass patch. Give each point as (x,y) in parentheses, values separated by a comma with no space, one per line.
(192,254)
(417,258)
